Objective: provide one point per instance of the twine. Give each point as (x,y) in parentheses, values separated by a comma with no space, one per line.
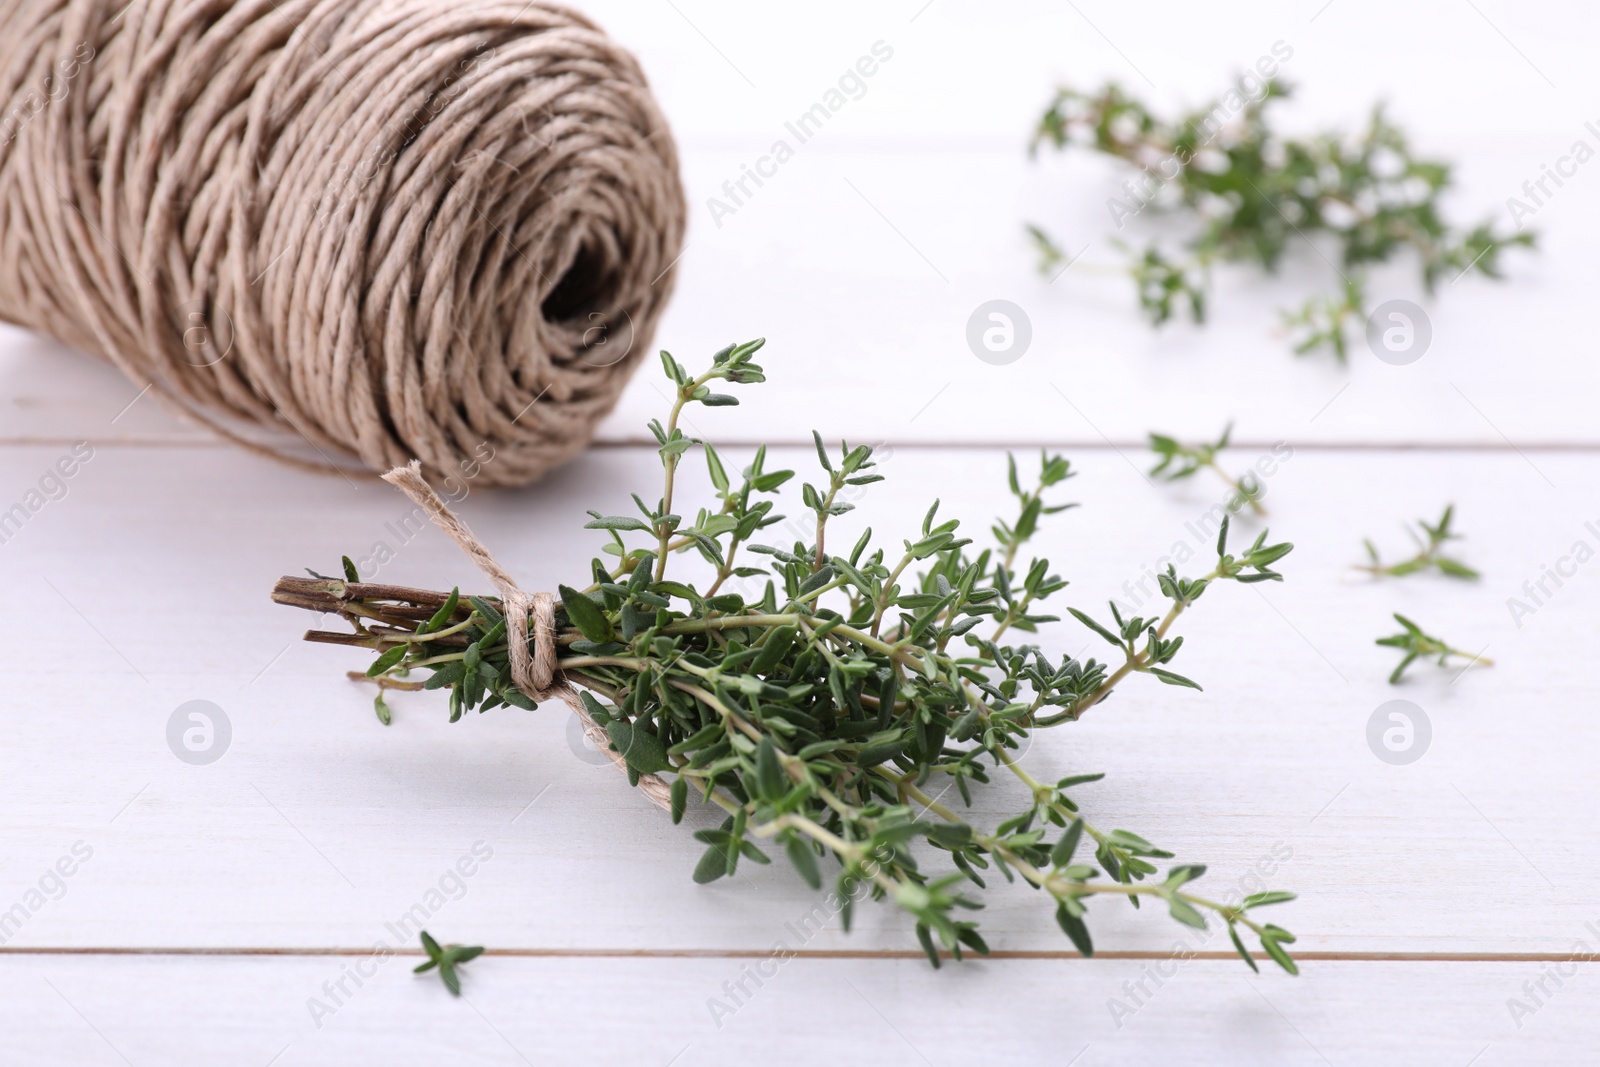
(441,229)
(535,672)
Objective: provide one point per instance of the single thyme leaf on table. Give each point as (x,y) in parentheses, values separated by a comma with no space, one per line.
(826,710)
(1416,644)
(1251,193)
(1177,460)
(1428,557)
(447,958)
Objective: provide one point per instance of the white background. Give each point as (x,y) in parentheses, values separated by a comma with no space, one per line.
(219,899)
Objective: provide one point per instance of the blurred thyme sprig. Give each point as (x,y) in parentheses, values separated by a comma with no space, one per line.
(828,715)
(1414,643)
(447,959)
(1252,192)
(1428,555)
(1178,460)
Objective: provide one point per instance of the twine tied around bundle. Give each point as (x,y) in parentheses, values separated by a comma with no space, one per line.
(379,229)
(535,672)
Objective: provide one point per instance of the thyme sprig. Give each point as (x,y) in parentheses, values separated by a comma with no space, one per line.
(1428,557)
(1415,644)
(829,716)
(447,958)
(1251,192)
(1177,460)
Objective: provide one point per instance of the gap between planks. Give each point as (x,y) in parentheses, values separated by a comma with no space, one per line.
(815,954)
(1102,445)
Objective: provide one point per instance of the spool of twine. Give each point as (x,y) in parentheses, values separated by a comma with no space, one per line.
(530,628)
(383,229)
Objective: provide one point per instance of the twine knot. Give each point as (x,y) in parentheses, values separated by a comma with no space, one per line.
(535,672)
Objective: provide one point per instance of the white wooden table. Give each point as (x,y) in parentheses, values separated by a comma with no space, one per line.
(228,913)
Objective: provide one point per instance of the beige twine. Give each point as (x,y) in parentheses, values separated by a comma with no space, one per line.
(441,229)
(535,674)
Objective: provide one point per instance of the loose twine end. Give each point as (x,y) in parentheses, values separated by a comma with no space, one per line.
(535,672)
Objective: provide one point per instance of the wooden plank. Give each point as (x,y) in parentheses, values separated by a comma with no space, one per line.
(969,68)
(913,200)
(866,309)
(153,1011)
(138,583)
(318,825)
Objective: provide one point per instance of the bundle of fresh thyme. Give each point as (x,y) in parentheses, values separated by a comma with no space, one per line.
(827,716)
(1252,192)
